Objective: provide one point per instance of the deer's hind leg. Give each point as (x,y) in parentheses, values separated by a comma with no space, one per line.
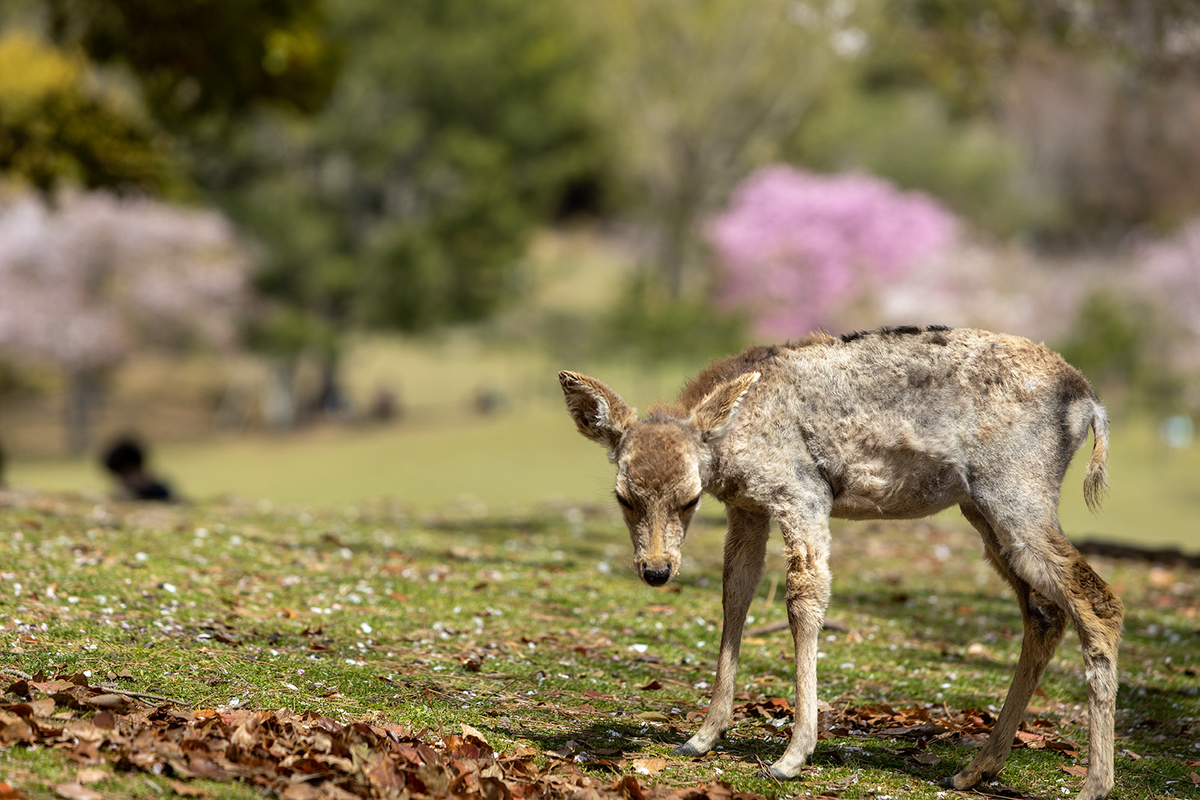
(1032,548)
(1045,623)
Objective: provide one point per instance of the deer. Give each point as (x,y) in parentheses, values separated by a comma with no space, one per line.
(896,423)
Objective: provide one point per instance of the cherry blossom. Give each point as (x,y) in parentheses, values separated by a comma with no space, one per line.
(795,247)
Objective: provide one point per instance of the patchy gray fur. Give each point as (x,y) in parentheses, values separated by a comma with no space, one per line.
(890,424)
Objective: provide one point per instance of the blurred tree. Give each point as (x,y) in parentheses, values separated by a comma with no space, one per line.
(56,125)
(207,68)
(1110,344)
(970,163)
(696,94)
(1102,95)
(646,326)
(200,58)
(456,127)
(174,80)
(965,48)
(1170,268)
(85,281)
(796,248)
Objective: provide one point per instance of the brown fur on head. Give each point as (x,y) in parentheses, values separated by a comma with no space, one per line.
(659,461)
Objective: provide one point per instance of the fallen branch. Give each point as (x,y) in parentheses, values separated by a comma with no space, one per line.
(111,687)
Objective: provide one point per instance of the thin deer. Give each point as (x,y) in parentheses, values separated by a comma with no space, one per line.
(897,423)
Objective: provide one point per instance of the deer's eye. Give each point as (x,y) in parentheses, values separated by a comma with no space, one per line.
(625,504)
(690,505)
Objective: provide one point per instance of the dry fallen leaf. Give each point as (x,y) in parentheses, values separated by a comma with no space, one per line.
(90,775)
(1078,770)
(648,766)
(307,756)
(74,791)
(470,733)
(187,790)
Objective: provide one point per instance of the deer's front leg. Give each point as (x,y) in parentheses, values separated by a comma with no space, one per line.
(806,544)
(745,552)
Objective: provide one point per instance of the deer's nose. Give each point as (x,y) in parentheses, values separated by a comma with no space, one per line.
(656,577)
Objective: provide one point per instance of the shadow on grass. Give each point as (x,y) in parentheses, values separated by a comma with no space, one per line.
(600,746)
(629,737)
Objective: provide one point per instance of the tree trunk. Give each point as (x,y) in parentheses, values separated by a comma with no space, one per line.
(83,390)
(279,401)
(331,401)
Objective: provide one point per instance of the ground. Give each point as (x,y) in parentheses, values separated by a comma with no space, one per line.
(225,621)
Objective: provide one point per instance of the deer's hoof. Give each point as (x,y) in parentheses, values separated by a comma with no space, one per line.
(963,781)
(780,773)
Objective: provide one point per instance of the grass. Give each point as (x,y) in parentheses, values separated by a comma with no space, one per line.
(531,628)
(531,453)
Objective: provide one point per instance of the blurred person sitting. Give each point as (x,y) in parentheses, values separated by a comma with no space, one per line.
(125,459)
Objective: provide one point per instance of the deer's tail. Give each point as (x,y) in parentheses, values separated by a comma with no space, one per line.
(1095,482)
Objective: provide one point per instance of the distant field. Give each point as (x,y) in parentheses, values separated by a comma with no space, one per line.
(443,453)
(1155,491)
(532,454)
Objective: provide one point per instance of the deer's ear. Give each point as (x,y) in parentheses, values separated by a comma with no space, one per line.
(714,415)
(599,412)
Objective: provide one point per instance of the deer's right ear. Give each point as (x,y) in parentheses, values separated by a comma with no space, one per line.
(599,412)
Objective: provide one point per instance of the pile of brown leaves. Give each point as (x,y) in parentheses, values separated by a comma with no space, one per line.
(920,724)
(298,756)
(303,756)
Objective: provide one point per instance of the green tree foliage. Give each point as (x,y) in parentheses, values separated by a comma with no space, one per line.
(196,58)
(150,91)
(1118,343)
(969,163)
(1102,96)
(648,326)
(56,125)
(456,127)
(696,94)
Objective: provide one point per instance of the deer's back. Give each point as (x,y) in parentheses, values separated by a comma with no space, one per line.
(900,421)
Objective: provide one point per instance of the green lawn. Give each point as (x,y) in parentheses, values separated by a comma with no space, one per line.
(531,628)
(532,454)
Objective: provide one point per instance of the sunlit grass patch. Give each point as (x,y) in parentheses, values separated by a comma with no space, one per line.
(533,629)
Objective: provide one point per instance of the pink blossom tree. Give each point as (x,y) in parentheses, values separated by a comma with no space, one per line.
(796,248)
(86,281)
(1173,267)
(1167,272)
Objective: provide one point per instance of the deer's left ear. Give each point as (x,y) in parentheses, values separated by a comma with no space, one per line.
(714,415)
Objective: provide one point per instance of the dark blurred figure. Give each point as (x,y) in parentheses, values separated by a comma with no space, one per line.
(126,460)
(385,407)
(490,400)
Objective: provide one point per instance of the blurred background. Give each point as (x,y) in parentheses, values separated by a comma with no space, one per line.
(333,252)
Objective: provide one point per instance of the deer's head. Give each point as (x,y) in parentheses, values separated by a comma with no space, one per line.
(660,461)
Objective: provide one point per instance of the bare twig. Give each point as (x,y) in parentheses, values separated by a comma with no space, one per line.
(774,627)
(110,687)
